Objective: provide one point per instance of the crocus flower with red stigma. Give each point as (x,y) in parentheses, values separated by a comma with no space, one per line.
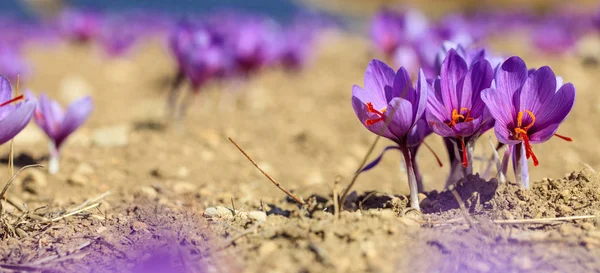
(455,109)
(58,124)
(528,107)
(15,112)
(391,107)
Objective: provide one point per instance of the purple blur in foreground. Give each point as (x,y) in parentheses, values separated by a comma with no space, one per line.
(391,107)
(13,117)
(390,29)
(58,125)
(528,107)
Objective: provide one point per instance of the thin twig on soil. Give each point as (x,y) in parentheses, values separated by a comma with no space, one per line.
(461,205)
(74,212)
(545,220)
(277,184)
(336,200)
(12,178)
(90,201)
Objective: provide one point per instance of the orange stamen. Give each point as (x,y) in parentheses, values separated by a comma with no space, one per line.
(12,100)
(464,152)
(563,137)
(372,109)
(434,154)
(532,120)
(458,118)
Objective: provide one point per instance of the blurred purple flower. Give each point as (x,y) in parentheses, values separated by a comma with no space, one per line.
(553,38)
(391,107)
(390,29)
(57,124)
(80,25)
(14,113)
(455,109)
(528,107)
(118,36)
(469,54)
(254,44)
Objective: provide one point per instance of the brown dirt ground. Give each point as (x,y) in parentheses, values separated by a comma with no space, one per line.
(301,128)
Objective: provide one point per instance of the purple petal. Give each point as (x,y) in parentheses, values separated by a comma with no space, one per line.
(478,78)
(363,115)
(438,126)
(503,134)
(423,89)
(402,86)
(500,106)
(377,77)
(16,120)
(467,128)
(452,74)
(511,75)
(5,90)
(402,117)
(76,115)
(552,114)
(537,90)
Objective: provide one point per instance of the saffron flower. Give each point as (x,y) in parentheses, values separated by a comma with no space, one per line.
(58,125)
(391,107)
(455,110)
(15,113)
(528,107)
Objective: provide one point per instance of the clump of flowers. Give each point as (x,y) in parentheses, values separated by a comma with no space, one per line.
(58,124)
(524,107)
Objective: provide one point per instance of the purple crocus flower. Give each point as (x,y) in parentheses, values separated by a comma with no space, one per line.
(390,29)
(58,125)
(201,56)
(254,44)
(12,63)
(391,107)
(80,25)
(454,107)
(14,113)
(528,107)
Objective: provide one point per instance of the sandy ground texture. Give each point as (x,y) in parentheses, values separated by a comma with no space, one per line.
(134,195)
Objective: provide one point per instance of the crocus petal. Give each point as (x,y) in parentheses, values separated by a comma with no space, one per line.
(500,106)
(503,134)
(537,90)
(511,75)
(467,128)
(553,113)
(76,115)
(452,74)
(45,118)
(16,120)
(478,78)
(377,77)
(402,87)
(5,90)
(366,96)
(378,159)
(363,115)
(438,126)
(402,117)
(423,89)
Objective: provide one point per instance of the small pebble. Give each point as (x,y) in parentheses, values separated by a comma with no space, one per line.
(139,226)
(76,179)
(258,216)
(111,136)
(148,192)
(184,188)
(219,212)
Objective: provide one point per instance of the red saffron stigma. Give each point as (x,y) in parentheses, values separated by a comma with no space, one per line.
(372,109)
(464,152)
(17,98)
(564,137)
(434,154)
(521,134)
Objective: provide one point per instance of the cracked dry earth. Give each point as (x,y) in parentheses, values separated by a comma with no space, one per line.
(155,198)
